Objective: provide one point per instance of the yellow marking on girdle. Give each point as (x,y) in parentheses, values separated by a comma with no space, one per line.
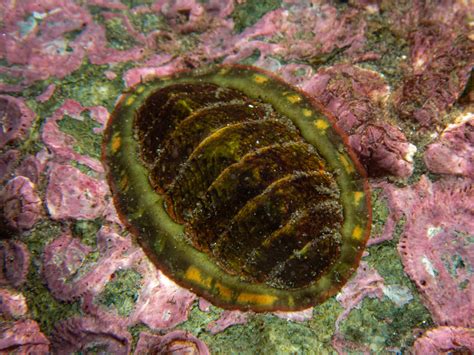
(140,89)
(347,165)
(291,301)
(116,143)
(259,78)
(307,113)
(358,195)
(262,300)
(321,124)
(357,233)
(194,274)
(130,101)
(223,291)
(294,98)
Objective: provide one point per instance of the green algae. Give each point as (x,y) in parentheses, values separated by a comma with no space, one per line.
(266,332)
(380,213)
(382,323)
(86,231)
(86,141)
(42,306)
(147,22)
(393,49)
(323,323)
(89,86)
(198,320)
(121,292)
(249,12)
(117,35)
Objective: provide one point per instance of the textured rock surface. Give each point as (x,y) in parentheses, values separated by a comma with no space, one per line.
(395,75)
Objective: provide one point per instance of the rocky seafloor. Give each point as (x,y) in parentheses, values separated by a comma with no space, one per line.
(398,78)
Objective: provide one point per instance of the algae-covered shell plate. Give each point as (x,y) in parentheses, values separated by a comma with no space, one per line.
(238,187)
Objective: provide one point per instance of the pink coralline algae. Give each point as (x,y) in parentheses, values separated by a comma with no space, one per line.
(445,340)
(23,337)
(16,119)
(357,98)
(60,143)
(22,206)
(14,262)
(176,342)
(12,304)
(87,333)
(325,30)
(36,41)
(453,151)
(441,59)
(300,316)
(227,319)
(8,161)
(73,194)
(65,257)
(366,283)
(435,247)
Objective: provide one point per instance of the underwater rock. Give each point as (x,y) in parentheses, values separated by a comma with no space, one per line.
(453,152)
(434,246)
(251,157)
(21,204)
(12,304)
(160,293)
(366,283)
(62,144)
(16,119)
(445,340)
(441,59)
(73,194)
(299,316)
(176,342)
(31,168)
(8,161)
(37,45)
(46,95)
(14,262)
(84,334)
(357,97)
(65,255)
(23,337)
(226,320)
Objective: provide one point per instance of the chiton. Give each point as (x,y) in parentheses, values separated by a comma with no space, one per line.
(238,187)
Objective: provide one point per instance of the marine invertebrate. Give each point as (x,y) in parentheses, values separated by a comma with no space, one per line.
(241,188)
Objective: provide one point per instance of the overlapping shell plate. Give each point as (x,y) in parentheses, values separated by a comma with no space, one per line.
(238,187)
